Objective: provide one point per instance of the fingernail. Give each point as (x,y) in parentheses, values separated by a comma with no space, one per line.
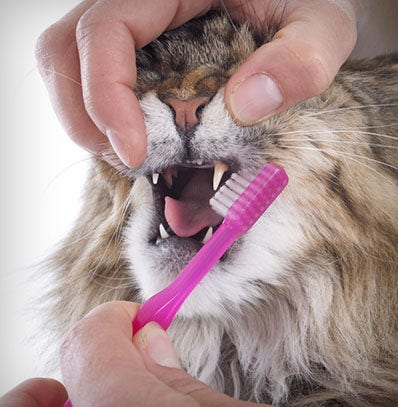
(121,148)
(155,342)
(255,98)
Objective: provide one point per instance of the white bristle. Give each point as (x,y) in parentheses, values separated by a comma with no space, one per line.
(231,184)
(249,195)
(229,193)
(226,196)
(244,180)
(219,207)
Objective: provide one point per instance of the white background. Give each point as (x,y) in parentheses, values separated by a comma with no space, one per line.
(41,173)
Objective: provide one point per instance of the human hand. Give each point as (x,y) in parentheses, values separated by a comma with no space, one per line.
(103,366)
(36,392)
(87,60)
(314,39)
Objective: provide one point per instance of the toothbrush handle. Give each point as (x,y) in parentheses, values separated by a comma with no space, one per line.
(163,306)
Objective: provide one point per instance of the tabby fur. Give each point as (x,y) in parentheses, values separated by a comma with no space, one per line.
(303,309)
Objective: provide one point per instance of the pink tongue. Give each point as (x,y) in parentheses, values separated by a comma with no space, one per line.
(192,212)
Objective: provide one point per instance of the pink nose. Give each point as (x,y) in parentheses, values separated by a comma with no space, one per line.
(186,111)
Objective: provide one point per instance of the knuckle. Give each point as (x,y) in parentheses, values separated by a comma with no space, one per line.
(188,386)
(46,45)
(318,69)
(85,26)
(320,75)
(81,334)
(51,46)
(71,341)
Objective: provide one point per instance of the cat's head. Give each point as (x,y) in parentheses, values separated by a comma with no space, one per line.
(194,145)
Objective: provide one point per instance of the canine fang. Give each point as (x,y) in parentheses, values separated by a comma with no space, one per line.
(219,169)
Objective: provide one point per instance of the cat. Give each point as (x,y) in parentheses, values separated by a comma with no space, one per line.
(302,310)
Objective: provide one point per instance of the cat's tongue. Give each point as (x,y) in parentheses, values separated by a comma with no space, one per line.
(192,212)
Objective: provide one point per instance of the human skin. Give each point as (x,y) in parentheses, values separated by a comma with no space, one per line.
(103,364)
(87,61)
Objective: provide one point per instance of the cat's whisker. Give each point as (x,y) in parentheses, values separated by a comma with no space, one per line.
(115,288)
(64,170)
(360,143)
(62,75)
(347,129)
(393,124)
(342,109)
(81,238)
(342,153)
(122,210)
(235,117)
(346,155)
(331,131)
(243,42)
(338,212)
(367,133)
(112,278)
(118,226)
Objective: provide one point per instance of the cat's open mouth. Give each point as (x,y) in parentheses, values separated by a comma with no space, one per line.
(182,195)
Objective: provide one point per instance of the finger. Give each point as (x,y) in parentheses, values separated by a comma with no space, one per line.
(58,64)
(161,360)
(300,62)
(35,393)
(101,366)
(107,37)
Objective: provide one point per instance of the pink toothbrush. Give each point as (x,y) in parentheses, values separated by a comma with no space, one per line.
(241,200)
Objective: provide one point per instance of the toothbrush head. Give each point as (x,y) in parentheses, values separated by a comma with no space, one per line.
(245,196)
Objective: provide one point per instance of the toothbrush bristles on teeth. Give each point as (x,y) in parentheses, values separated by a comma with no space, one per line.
(247,196)
(241,200)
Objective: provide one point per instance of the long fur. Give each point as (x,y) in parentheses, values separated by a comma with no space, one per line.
(303,310)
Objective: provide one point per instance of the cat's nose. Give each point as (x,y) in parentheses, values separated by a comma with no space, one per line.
(187,112)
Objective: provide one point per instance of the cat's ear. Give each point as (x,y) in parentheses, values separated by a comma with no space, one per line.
(187,112)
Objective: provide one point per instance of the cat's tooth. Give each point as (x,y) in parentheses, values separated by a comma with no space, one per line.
(195,162)
(162,231)
(219,169)
(208,235)
(168,177)
(155,178)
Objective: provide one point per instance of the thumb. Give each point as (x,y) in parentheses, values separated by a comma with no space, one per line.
(302,59)
(161,360)
(153,341)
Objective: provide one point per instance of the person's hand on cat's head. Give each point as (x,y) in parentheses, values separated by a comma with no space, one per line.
(87,61)
(313,40)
